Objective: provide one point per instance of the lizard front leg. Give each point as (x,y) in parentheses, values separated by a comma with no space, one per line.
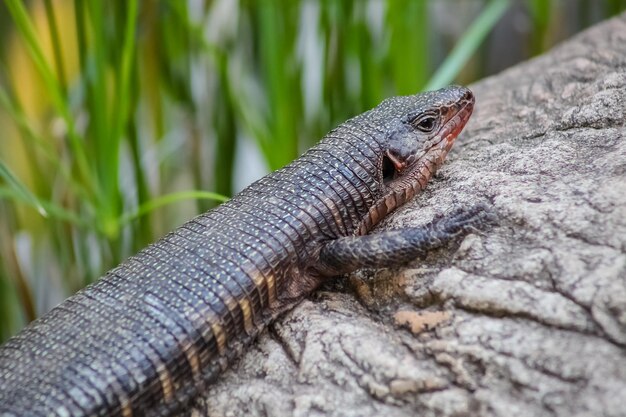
(396,247)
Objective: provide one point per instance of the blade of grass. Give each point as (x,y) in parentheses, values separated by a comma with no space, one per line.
(56,45)
(23,289)
(15,303)
(226,138)
(44,207)
(333,17)
(20,190)
(20,285)
(122,112)
(372,72)
(468,43)
(8,307)
(97,104)
(276,48)
(125,74)
(409,25)
(540,11)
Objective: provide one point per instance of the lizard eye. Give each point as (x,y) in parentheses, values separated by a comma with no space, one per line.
(426,123)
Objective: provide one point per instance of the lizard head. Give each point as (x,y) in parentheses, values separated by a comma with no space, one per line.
(416,134)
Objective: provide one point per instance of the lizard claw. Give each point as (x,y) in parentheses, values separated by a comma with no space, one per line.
(467,219)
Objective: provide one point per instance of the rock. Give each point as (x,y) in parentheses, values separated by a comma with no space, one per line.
(525,318)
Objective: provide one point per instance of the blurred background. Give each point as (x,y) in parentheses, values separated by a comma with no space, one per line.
(119,120)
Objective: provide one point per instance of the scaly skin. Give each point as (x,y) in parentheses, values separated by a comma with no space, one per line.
(152,333)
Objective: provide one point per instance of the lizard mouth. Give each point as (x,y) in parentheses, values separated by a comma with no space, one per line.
(404,179)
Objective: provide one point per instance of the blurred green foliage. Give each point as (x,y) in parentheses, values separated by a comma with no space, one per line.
(108,109)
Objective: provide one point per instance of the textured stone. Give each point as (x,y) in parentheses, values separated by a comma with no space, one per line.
(534,307)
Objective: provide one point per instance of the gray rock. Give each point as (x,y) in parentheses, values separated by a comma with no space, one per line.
(525,318)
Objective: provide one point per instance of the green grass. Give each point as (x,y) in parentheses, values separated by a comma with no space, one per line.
(126,116)
(469,42)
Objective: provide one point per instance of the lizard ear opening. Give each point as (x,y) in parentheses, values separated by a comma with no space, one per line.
(389,170)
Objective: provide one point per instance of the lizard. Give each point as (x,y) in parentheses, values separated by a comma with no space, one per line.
(154,332)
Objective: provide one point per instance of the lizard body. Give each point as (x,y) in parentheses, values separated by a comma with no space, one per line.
(152,333)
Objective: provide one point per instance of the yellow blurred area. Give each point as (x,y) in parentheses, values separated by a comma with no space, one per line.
(22,70)
(30,92)
(29,89)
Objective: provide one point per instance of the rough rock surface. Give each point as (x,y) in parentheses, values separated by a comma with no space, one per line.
(526,318)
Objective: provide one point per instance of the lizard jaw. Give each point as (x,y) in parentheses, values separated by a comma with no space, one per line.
(419,171)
